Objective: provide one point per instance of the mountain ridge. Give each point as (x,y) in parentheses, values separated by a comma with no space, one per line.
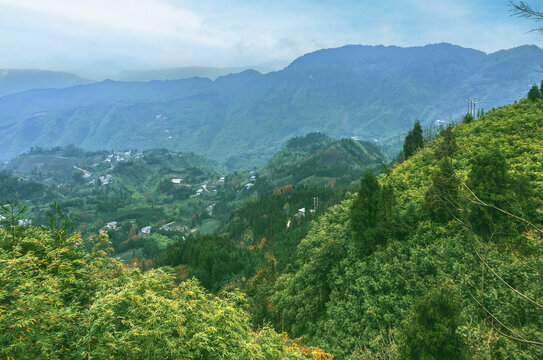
(365,91)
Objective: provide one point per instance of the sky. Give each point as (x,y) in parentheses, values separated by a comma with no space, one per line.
(113,35)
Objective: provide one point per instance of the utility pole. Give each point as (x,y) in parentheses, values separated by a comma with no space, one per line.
(471,106)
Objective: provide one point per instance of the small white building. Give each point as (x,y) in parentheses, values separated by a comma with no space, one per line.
(176,181)
(249,185)
(24,222)
(146,230)
(112,225)
(301,211)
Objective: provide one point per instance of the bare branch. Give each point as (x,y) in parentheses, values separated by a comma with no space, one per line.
(505,282)
(517,337)
(522,9)
(480,202)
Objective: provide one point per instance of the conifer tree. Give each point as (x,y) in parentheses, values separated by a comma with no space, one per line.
(446,146)
(441,197)
(413,141)
(534,93)
(429,331)
(387,214)
(488,179)
(364,212)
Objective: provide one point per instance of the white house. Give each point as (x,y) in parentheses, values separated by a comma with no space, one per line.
(301,211)
(176,181)
(24,222)
(146,230)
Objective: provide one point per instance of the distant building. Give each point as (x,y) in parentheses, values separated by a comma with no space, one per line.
(165,228)
(2,218)
(112,225)
(176,181)
(221,180)
(146,230)
(249,185)
(199,191)
(301,211)
(252,178)
(24,222)
(210,208)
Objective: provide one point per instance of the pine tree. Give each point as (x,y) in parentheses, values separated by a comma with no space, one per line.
(413,141)
(534,93)
(387,213)
(429,331)
(488,179)
(441,197)
(446,146)
(364,212)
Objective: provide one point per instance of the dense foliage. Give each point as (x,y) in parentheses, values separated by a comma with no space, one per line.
(460,276)
(58,300)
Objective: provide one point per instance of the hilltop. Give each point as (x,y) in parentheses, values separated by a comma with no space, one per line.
(318,160)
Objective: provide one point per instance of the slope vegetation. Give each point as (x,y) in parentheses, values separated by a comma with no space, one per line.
(449,264)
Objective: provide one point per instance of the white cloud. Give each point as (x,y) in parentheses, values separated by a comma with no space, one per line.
(73,33)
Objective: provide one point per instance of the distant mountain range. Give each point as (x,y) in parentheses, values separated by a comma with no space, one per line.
(193,71)
(14,81)
(369,92)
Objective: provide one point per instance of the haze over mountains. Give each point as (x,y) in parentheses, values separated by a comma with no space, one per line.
(14,81)
(371,92)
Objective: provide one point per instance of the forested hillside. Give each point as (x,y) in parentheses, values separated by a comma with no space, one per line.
(439,258)
(318,160)
(370,92)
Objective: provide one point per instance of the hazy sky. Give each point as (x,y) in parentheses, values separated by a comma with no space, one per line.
(75,34)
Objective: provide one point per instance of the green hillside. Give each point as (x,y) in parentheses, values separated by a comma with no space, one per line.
(438,270)
(318,160)
(132,188)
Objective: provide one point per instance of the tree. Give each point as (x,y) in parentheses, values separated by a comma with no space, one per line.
(522,9)
(413,141)
(467,118)
(534,93)
(446,146)
(441,197)
(488,179)
(429,332)
(387,213)
(364,212)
